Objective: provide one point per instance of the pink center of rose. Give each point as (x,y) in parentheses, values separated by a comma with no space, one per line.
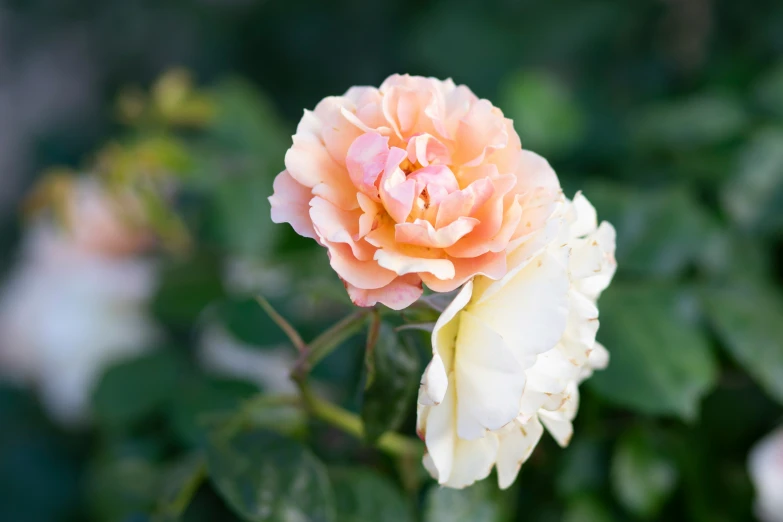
(410,184)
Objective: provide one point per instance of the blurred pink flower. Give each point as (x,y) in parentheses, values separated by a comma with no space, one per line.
(417,181)
(76,302)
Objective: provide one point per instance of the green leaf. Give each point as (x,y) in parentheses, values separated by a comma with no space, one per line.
(643,478)
(701,120)
(120,488)
(187,287)
(587,509)
(583,468)
(264,477)
(749,322)
(362,495)
(393,388)
(200,398)
(481,502)
(247,122)
(133,389)
(544,113)
(659,232)
(754,195)
(661,362)
(769,91)
(249,323)
(180,483)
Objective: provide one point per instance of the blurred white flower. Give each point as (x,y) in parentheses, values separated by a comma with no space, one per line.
(765,465)
(268,367)
(74,304)
(508,354)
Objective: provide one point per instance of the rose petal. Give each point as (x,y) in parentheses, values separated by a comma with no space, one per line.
(422,233)
(399,294)
(291,204)
(402,264)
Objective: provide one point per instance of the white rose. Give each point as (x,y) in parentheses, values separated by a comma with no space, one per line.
(765,465)
(74,304)
(508,355)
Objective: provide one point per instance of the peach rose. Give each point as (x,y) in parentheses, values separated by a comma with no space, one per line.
(418,181)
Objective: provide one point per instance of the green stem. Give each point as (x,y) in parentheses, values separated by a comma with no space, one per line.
(323,345)
(309,356)
(284,325)
(391,443)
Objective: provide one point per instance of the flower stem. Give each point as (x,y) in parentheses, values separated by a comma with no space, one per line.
(309,356)
(390,443)
(284,325)
(323,345)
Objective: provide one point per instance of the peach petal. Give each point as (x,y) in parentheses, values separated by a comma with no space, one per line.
(439,181)
(422,233)
(339,195)
(481,131)
(506,159)
(401,264)
(426,149)
(464,202)
(491,264)
(291,204)
(397,295)
(396,191)
(362,274)
(492,235)
(366,160)
(534,172)
(338,133)
(335,225)
(369,219)
(452,105)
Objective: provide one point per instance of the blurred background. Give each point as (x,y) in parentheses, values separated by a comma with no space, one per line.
(667,114)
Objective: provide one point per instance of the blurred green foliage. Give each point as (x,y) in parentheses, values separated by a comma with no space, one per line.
(667,115)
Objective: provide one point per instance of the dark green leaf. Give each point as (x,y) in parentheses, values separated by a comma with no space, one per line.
(659,232)
(481,502)
(392,391)
(362,495)
(749,322)
(701,120)
(180,483)
(248,322)
(267,478)
(187,288)
(200,398)
(661,362)
(544,113)
(583,468)
(643,477)
(587,509)
(131,390)
(121,488)
(769,91)
(754,195)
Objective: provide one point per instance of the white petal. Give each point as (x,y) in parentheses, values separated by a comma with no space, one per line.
(558,423)
(441,436)
(443,340)
(599,357)
(454,462)
(489,380)
(473,461)
(593,285)
(531,310)
(586,217)
(516,445)
(434,382)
